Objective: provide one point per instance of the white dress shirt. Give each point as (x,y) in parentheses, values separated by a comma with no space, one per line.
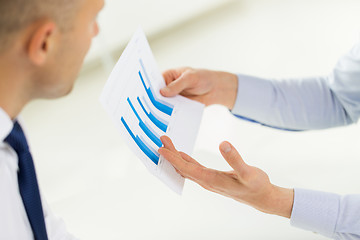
(14,223)
(304,104)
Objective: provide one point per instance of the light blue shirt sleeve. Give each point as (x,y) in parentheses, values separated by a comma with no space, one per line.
(304,104)
(329,214)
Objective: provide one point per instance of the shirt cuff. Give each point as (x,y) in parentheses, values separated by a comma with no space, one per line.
(253,97)
(315,211)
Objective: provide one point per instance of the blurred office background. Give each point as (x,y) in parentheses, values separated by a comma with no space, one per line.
(93,181)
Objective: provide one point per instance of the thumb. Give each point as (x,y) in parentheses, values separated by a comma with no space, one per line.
(233,157)
(177,86)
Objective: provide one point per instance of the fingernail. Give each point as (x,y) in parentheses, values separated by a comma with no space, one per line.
(163,139)
(225,147)
(165,90)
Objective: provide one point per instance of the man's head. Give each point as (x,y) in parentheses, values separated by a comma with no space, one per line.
(16,15)
(43,44)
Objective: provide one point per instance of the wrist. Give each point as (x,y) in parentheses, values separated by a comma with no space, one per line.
(226,89)
(280,201)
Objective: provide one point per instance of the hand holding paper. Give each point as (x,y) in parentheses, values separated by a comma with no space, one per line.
(245,183)
(205,86)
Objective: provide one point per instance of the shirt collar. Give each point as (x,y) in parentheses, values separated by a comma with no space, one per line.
(6,125)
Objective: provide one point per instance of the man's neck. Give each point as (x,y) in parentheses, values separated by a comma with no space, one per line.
(13,97)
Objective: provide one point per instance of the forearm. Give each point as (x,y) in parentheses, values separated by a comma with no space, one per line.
(306,103)
(226,88)
(279,202)
(328,214)
(298,104)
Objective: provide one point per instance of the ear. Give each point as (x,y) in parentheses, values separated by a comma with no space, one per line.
(41,42)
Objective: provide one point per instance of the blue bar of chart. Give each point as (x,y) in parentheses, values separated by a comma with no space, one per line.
(160,123)
(154,157)
(153,136)
(156,120)
(160,105)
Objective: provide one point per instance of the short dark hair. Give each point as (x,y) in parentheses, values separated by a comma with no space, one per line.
(16,15)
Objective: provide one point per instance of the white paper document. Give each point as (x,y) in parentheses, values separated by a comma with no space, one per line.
(131,97)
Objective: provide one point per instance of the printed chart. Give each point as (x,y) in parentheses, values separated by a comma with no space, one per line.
(132,99)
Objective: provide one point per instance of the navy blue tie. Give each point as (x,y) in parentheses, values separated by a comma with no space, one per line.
(28,186)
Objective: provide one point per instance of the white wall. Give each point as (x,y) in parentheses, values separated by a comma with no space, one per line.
(118,19)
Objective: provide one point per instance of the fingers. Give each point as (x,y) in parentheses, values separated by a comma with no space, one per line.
(170,153)
(234,159)
(166,141)
(176,83)
(188,166)
(189,159)
(186,169)
(169,145)
(216,181)
(245,184)
(171,75)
